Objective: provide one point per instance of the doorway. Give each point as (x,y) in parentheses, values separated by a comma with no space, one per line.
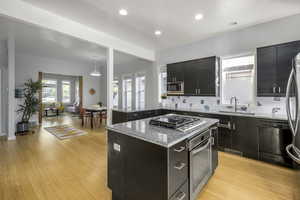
(60,93)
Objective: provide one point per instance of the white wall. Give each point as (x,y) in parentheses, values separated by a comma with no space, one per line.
(28,66)
(4,85)
(133,67)
(232,43)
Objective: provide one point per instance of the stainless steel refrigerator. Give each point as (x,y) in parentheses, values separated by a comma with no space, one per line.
(293,114)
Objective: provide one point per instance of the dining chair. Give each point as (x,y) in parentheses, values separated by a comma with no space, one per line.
(85,117)
(104,116)
(99,117)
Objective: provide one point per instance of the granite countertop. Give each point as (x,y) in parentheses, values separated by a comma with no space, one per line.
(164,137)
(255,115)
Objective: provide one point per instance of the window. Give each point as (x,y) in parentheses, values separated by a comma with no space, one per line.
(238,79)
(127,93)
(162,84)
(49,92)
(66,91)
(140,91)
(115,93)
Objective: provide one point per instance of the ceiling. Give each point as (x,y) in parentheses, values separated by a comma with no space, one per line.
(38,41)
(175,18)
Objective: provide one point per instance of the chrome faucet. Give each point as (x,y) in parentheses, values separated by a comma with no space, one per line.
(176,105)
(235,102)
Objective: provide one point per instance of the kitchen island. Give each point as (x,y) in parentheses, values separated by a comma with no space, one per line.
(150,162)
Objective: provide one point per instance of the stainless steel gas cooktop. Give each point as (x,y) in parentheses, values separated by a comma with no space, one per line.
(178,122)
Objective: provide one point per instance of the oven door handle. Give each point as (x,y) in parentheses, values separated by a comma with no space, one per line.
(197,150)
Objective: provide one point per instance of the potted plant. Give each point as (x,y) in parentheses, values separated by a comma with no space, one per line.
(164,96)
(30,105)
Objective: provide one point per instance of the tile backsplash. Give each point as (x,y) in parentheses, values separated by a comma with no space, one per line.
(263,104)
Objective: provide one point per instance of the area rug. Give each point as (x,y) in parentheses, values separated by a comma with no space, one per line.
(65,131)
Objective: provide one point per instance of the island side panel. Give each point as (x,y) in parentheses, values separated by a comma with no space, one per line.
(138,170)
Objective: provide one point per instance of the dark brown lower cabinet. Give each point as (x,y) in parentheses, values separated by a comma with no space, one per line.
(141,170)
(259,139)
(245,136)
(136,169)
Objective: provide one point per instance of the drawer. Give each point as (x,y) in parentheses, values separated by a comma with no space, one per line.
(182,193)
(178,167)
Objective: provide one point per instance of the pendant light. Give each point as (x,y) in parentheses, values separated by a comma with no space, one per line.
(95,72)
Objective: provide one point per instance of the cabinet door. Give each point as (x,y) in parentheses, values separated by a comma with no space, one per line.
(266,71)
(224,139)
(179,71)
(206,77)
(245,136)
(190,78)
(175,72)
(170,73)
(285,55)
(199,77)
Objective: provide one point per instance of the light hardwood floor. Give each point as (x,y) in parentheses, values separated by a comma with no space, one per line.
(42,167)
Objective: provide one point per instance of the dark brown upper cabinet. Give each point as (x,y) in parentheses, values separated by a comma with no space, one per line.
(199,76)
(175,72)
(274,64)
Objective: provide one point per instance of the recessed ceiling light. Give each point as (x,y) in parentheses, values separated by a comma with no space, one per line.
(158,32)
(123,12)
(198,16)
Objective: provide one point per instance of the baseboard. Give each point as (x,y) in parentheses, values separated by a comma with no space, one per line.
(2,134)
(11,137)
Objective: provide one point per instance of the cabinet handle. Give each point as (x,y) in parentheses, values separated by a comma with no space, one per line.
(182,165)
(181,196)
(181,149)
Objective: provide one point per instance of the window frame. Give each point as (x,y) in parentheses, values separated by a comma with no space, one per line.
(137,75)
(124,100)
(245,54)
(62,91)
(118,92)
(48,86)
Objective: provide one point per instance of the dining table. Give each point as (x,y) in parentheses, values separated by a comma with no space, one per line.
(92,110)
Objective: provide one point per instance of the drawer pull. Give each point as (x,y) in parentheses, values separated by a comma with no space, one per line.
(181,196)
(181,149)
(182,165)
